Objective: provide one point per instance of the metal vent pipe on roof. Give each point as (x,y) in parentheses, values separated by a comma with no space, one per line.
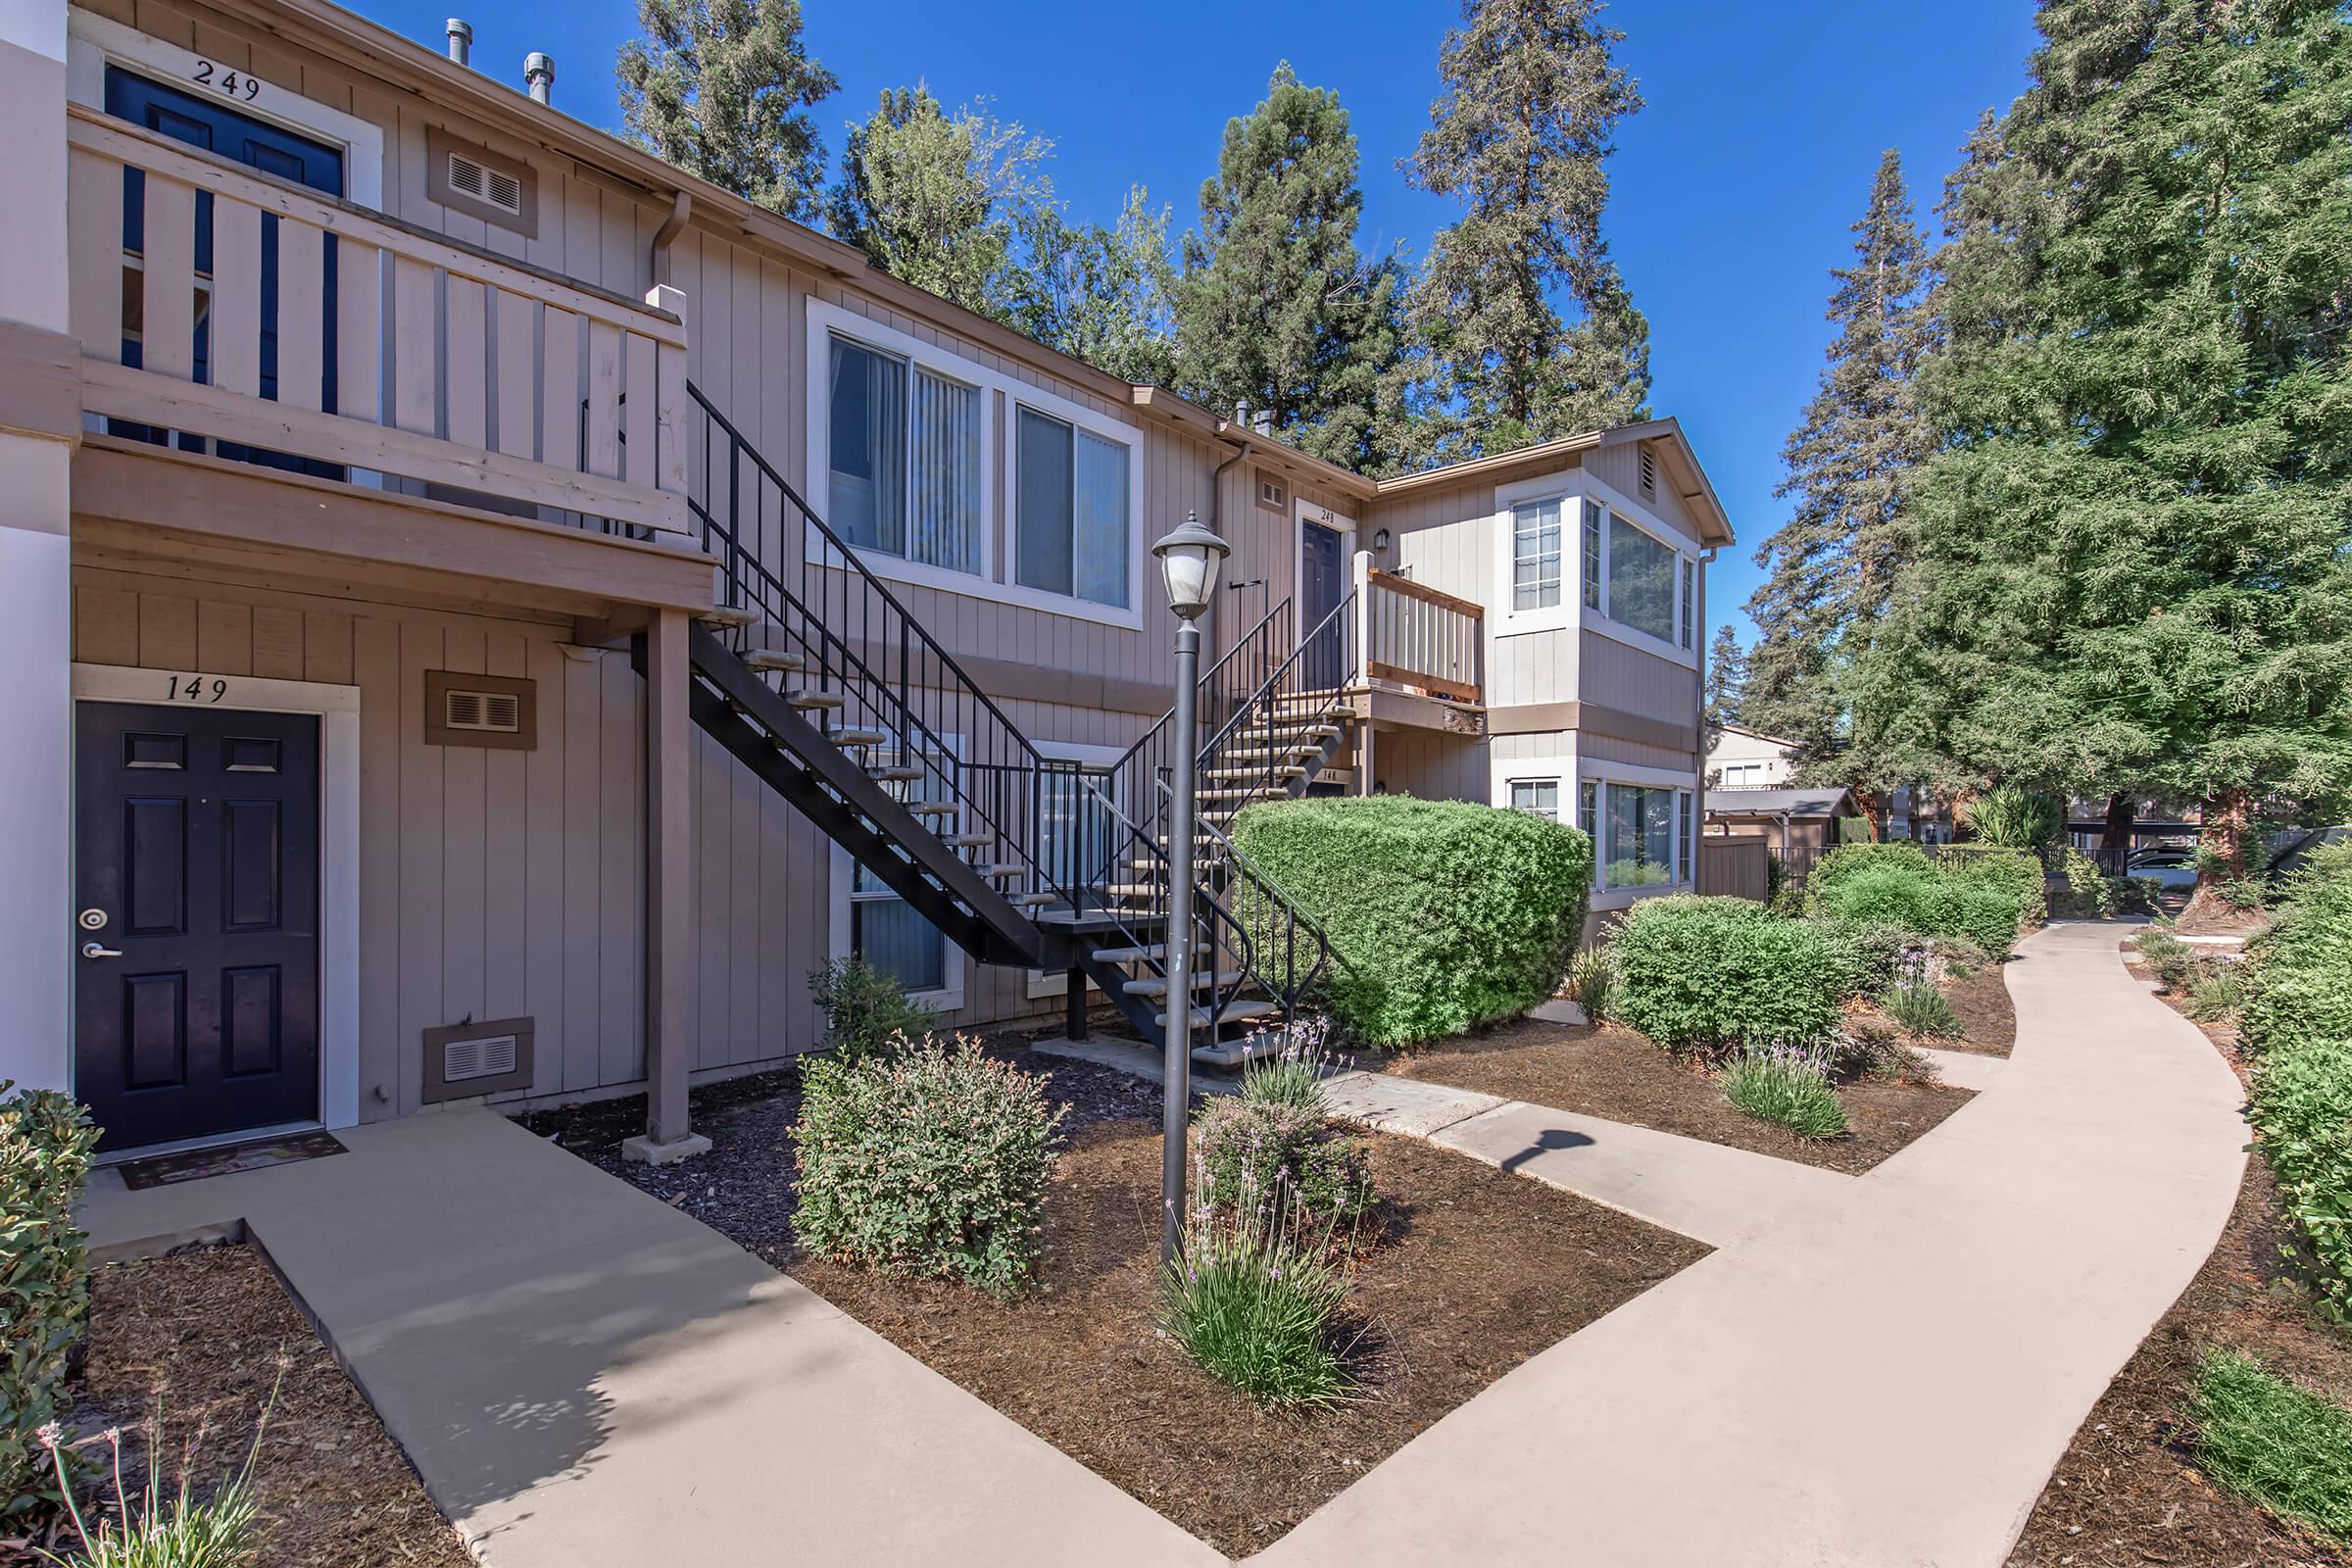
(540,71)
(461,40)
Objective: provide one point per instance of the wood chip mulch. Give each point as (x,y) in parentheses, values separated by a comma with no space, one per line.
(1987,1016)
(1468,1272)
(201,1335)
(1613,1074)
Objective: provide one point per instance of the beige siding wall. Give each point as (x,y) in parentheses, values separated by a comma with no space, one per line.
(1432,767)
(1620,467)
(492,883)
(1604,749)
(1634,680)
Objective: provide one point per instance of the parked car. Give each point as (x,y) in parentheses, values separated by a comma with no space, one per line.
(2173,870)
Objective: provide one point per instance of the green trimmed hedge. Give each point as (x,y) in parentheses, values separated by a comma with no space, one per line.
(1444,914)
(2018,872)
(1705,975)
(2301,985)
(1896,884)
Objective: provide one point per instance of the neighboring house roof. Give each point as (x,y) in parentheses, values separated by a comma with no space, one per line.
(1753,735)
(413,64)
(1774,803)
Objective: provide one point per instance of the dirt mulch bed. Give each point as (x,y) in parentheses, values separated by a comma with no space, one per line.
(1614,1073)
(2129,1490)
(1987,1016)
(1471,1271)
(203,1333)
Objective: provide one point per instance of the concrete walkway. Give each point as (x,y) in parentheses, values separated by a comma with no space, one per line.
(583,1375)
(1883,1378)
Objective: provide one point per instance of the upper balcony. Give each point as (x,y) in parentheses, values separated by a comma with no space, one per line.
(225,311)
(1422,652)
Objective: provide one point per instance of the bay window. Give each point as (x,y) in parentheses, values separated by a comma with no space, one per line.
(1640,820)
(1641,580)
(904,458)
(1070,521)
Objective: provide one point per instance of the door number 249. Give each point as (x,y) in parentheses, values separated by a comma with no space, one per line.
(242,84)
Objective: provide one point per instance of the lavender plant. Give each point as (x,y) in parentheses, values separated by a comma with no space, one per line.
(1257,1295)
(1252,1145)
(149,1530)
(1914,1002)
(1292,1075)
(1788,1086)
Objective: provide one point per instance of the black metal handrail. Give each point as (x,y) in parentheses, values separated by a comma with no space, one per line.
(860,646)
(1273,921)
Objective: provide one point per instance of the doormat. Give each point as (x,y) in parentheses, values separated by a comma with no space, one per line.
(197,1163)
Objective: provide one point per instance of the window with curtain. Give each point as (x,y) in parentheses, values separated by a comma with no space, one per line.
(905,459)
(1594,513)
(1641,576)
(1070,516)
(1536,556)
(1536,797)
(1639,852)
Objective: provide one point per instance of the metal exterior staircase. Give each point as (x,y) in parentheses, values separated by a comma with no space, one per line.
(813,674)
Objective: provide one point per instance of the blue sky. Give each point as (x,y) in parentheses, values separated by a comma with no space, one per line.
(1733,189)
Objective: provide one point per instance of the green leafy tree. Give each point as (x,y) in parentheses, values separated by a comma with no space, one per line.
(1830,567)
(722,88)
(2135,544)
(1727,679)
(1277,312)
(1104,295)
(1531,103)
(946,202)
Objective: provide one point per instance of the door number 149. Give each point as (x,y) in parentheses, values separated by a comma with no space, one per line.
(197,689)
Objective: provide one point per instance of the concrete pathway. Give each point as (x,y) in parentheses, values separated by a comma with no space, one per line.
(583,1375)
(1885,1376)
(1964,1069)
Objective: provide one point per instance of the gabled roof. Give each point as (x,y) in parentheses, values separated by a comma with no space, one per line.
(1689,481)
(1753,734)
(1774,803)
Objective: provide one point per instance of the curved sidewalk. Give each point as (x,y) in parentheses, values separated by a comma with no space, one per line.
(1882,1379)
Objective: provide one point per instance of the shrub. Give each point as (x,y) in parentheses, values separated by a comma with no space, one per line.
(1255,1300)
(2172,961)
(1870,953)
(2300,985)
(1443,915)
(1914,1002)
(1592,982)
(45,1144)
(1788,1086)
(2018,873)
(2088,894)
(2287,1450)
(1244,1145)
(2301,1104)
(1852,860)
(926,1159)
(865,1009)
(1931,903)
(1704,974)
(2011,816)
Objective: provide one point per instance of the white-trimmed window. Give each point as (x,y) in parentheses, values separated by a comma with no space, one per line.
(1588,817)
(1594,516)
(1536,797)
(1638,823)
(1690,598)
(1686,867)
(1072,535)
(905,475)
(1642,579)
(1535,555)
(872,922)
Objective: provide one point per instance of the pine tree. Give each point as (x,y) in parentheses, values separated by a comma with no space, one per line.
(2135,544)
(1726,681)
(1104,295)
(1531,103)
(944,201)
(1831,565)
(720,88)
(1276,311)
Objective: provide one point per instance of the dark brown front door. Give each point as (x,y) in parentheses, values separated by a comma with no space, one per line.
(196,854)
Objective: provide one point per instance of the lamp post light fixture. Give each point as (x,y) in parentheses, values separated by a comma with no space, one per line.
(1190,558)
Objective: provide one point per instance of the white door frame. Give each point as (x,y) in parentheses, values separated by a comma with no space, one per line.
(1302,512)
(337,708)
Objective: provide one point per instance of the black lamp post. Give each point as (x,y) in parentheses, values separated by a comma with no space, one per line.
(1190,558)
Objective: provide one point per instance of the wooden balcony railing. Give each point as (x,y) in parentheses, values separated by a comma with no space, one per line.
(1418,637)
(381,349)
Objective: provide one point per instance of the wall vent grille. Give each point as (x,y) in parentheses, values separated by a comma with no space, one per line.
(1649,472)
(488,1057)
(492,712)
(498,188)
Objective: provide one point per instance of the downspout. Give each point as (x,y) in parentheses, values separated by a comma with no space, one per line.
(1698,787)
(680,208)
(1216,495)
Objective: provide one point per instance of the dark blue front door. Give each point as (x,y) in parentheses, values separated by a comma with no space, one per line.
(1322,583)
(215,126)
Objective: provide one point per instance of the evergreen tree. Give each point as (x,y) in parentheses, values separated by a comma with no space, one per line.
(1276,311)
(1531,103)
(720,89)
(1726,681)
(1104,295)
(1831,565)
(945,202)
(2135,544)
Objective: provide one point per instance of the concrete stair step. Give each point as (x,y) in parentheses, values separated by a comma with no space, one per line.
(1149,953)
(1230,1013)
(1028,901)
(896,773)
(1156,987)
(846,738)
(815,702)
(727,618)
(768,660)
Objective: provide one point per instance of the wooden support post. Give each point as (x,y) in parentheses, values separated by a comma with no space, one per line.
(1073,1007)
(669,922)
(1363,753)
